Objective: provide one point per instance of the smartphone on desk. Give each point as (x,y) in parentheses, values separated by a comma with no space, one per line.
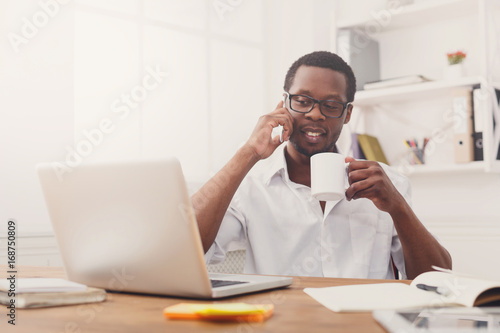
(442,320)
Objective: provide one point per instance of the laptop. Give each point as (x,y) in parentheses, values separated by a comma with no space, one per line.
(129,226)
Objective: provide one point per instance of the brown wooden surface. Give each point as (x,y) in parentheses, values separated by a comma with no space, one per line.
(295,311)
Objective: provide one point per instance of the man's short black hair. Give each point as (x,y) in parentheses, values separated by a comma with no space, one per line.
(324,59)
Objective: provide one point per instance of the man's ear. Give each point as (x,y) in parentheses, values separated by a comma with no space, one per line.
(348,113)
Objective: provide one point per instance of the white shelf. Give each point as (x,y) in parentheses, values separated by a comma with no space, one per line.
(416,14)
(392,94)
(471,167)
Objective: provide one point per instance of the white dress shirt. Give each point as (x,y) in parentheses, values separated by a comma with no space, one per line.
(285,232)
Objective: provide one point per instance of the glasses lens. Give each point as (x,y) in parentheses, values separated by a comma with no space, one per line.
(332,108)
(301,103)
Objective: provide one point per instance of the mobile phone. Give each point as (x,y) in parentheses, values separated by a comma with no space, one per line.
(278,130)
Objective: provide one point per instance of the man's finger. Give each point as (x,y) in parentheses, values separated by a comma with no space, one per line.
(361,164)
(280,105)
(357,175)
(285,120)
(349,159)
(357,188)
(276,141)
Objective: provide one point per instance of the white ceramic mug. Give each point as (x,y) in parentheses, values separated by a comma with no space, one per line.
(328,176)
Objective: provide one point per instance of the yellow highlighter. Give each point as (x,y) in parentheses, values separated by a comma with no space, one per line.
(220,311)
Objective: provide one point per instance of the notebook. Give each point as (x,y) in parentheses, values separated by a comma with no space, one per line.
(47,292)
(130,226)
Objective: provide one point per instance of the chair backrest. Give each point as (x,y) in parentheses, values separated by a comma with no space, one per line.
(234,263)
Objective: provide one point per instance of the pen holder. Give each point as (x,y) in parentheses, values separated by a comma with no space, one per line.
(415,156)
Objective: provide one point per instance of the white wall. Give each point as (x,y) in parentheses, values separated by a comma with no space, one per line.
(294,28)
(226,65)
(36,96)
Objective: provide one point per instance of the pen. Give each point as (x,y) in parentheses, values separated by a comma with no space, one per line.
(412,149)
(438,290)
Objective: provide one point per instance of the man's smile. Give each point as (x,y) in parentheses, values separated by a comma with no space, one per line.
(313,134)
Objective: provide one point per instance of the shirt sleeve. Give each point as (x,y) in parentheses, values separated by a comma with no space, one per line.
(231,235)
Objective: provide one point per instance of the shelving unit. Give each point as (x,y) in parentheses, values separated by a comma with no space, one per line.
(411,91)
(414,14)
(429,90)
(456,202)
(472,167)
(426,12)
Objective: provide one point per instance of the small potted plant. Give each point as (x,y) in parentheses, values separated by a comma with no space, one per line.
(455,67)
(456,57)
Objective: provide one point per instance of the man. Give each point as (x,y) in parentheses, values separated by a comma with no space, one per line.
(261,199)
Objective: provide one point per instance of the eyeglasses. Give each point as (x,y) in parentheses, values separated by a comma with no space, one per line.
(305,104)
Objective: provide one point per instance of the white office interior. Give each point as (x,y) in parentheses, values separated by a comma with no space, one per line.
(95,80)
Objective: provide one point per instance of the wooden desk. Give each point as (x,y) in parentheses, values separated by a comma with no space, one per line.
(295,311)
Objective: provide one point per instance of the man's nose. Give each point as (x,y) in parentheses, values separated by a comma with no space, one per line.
(315,114)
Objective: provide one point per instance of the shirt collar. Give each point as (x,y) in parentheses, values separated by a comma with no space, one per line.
(276,164)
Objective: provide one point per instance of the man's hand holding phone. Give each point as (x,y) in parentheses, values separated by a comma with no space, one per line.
(261,142)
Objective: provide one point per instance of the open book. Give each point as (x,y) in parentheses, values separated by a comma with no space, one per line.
(430,289)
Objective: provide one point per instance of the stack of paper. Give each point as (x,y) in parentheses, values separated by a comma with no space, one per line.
(44,292)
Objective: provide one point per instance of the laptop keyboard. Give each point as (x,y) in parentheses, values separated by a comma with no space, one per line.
(222,283)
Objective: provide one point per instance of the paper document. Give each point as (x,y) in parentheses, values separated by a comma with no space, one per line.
(369,297)
(42,285)
(429,289)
